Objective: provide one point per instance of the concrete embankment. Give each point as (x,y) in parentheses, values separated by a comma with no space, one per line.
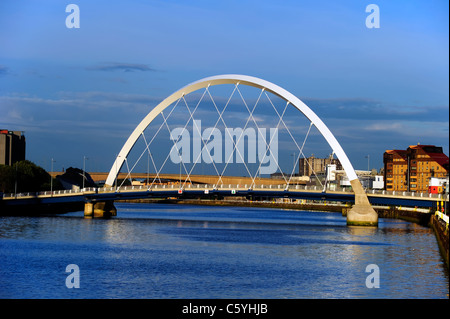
(264,204)
(36,209)
(440,228)
(414,215)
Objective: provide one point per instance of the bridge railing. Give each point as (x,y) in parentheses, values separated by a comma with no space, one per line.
(403,193)
(273,187)
(62,192)
(280,187)
(214,186)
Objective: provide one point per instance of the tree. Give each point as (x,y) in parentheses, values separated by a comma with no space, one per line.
(25,176)
(6,179)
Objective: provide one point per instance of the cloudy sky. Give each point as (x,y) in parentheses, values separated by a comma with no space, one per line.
(81,91)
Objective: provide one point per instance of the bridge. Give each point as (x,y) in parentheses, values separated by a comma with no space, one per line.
(207,146)
(94,199)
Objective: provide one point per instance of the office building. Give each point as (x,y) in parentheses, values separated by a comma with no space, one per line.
(12,147)
(313,165)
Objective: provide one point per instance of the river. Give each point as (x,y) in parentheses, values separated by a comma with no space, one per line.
(175,251)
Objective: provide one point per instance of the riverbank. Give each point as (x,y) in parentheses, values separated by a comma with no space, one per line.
(245,203)
(441,231)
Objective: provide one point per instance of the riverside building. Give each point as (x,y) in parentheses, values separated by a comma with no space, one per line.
(411,170)
(313,165)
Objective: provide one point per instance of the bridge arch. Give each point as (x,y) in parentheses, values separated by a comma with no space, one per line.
(232,79)
(361,213)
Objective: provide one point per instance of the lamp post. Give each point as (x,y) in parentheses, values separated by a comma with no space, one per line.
(368,169)
(180,169)
(117,173)
(84,168)
(51,177)
(148,167)
(293,160)
(15,182)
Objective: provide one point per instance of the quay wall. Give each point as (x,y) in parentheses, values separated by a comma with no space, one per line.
(441,230)
(245,203)
(34,209)
(412,215)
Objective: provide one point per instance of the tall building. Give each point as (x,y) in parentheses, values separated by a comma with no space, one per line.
(411,169)
(395,168)
(12,147)
(312,165)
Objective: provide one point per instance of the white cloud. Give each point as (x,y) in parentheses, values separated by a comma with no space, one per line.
(385,127)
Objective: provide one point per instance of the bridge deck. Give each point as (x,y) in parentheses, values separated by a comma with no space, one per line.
(164,191)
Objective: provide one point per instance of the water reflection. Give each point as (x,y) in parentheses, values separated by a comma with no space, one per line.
(176,251)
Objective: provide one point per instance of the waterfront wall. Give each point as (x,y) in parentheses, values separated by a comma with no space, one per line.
(246,203)
(441,230)
(34,209)
(415,216)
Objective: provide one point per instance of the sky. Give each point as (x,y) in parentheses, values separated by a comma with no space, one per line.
(80,92)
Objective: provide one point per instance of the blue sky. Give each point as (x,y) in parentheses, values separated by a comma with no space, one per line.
(80,92)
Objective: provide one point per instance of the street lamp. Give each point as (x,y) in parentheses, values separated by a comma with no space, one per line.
(368,169)
(84,168)
(181,161)
(293,160)
(51,178)
(15,182)
(368,162)
(148,167)
(117,157)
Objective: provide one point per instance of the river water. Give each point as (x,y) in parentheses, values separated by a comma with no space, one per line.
(181,251)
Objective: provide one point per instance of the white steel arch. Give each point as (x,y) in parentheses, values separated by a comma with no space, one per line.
(232,79)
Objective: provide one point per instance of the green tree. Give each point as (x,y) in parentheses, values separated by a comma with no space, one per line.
(6,179)
(25,176)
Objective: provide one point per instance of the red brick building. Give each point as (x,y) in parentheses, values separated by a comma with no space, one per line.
(411,169)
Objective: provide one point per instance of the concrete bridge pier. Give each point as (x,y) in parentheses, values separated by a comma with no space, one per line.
(104,209)
(362,213)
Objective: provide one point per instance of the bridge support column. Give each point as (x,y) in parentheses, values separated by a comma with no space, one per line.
(99,209)
(362,213)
